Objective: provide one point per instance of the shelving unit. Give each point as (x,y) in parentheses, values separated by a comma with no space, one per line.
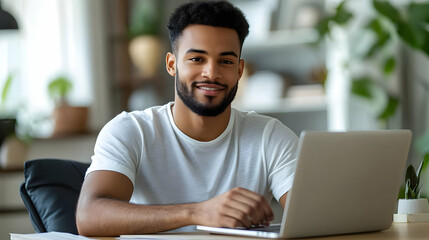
(291,53)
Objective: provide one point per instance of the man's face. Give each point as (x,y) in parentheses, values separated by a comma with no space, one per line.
(207,68)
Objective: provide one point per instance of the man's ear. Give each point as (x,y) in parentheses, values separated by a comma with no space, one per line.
(170,64)
(240,68)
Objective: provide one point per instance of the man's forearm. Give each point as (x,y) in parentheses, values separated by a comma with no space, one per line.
(110,217)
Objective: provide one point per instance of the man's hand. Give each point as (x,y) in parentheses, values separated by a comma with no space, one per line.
(238,207)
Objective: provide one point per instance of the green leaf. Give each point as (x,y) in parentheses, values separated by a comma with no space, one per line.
(419,190)
(375,26)
(418,12)
(6,89)
(323,27)
(389,65)
(363,87)
(407,189)
(145,18)
(389,109)
(413,195)
(411,177)
(419,170)
(409,34)
(426,160)
(59,88)
(342,16)
(422,144)
(425,42)
(388,10)
(378,45)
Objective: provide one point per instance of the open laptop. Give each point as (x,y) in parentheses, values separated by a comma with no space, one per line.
(345,182)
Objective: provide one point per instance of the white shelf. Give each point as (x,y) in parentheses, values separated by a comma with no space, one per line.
(286,105)
(282,38)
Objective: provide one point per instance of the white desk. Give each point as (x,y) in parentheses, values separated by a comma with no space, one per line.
(397,231)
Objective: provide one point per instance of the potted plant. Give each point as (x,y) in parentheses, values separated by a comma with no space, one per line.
(413,203)
(145,46)
(68,119)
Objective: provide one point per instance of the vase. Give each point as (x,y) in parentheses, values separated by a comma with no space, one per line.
(146,53)
(409,206)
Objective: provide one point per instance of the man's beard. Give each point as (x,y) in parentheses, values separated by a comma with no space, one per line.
(201,109)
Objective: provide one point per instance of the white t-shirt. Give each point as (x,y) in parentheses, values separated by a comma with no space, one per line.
(167,167)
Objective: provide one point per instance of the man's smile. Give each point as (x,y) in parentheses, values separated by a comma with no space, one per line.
(209,89)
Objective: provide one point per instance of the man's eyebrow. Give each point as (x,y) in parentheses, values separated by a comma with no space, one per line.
(229,53)
(193,50)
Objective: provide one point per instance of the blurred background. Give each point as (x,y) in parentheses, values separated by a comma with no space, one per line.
(68,67)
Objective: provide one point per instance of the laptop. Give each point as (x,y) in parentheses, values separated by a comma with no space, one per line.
(345,182)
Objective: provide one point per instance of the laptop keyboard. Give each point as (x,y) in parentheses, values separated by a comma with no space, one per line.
(274,228)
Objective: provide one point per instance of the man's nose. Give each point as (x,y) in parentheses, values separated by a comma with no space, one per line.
(211,71)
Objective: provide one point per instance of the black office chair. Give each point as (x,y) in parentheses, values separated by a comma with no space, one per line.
(50,193)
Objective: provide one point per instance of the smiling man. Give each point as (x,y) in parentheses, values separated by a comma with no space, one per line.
(194,161)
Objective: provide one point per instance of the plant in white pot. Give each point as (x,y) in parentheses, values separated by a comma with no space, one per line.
(68,120)
(145,46)
(413,203)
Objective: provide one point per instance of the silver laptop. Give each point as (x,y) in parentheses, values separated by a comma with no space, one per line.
(345,182)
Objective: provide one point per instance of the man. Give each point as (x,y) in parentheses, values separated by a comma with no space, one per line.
(194,161)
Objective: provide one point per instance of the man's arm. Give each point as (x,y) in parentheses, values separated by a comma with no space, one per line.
(104,209)
(282,200)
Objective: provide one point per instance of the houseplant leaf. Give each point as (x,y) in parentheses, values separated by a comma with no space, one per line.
(59,88)
(378,45)
(389,109)
(389,65)
(342,15)
(363,87)
(382,36)
(6,89)
(425,44)
(418,12)
(375,26)
(388,10)
(409,34)
(407,190)
(145,18)
(323,27)
(411,177)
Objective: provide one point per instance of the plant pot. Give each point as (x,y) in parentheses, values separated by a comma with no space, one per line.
(409,206)
(70,120)
(7,128)
(146,53)
(13,153)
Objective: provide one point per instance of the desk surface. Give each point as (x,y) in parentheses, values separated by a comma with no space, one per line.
(397,231)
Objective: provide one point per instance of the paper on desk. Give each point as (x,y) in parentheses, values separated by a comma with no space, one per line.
(46,236)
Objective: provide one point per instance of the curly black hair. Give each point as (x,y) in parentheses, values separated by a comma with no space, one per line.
(211,13)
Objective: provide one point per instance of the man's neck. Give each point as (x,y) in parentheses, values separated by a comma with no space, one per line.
(200,128)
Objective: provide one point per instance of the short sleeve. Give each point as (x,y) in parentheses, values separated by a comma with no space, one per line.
(280,145)
(118,147)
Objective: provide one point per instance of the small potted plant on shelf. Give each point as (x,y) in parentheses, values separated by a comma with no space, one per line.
(413,203)
(68,119)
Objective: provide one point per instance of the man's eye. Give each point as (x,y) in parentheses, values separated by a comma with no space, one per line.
(226,62)
(196,59)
